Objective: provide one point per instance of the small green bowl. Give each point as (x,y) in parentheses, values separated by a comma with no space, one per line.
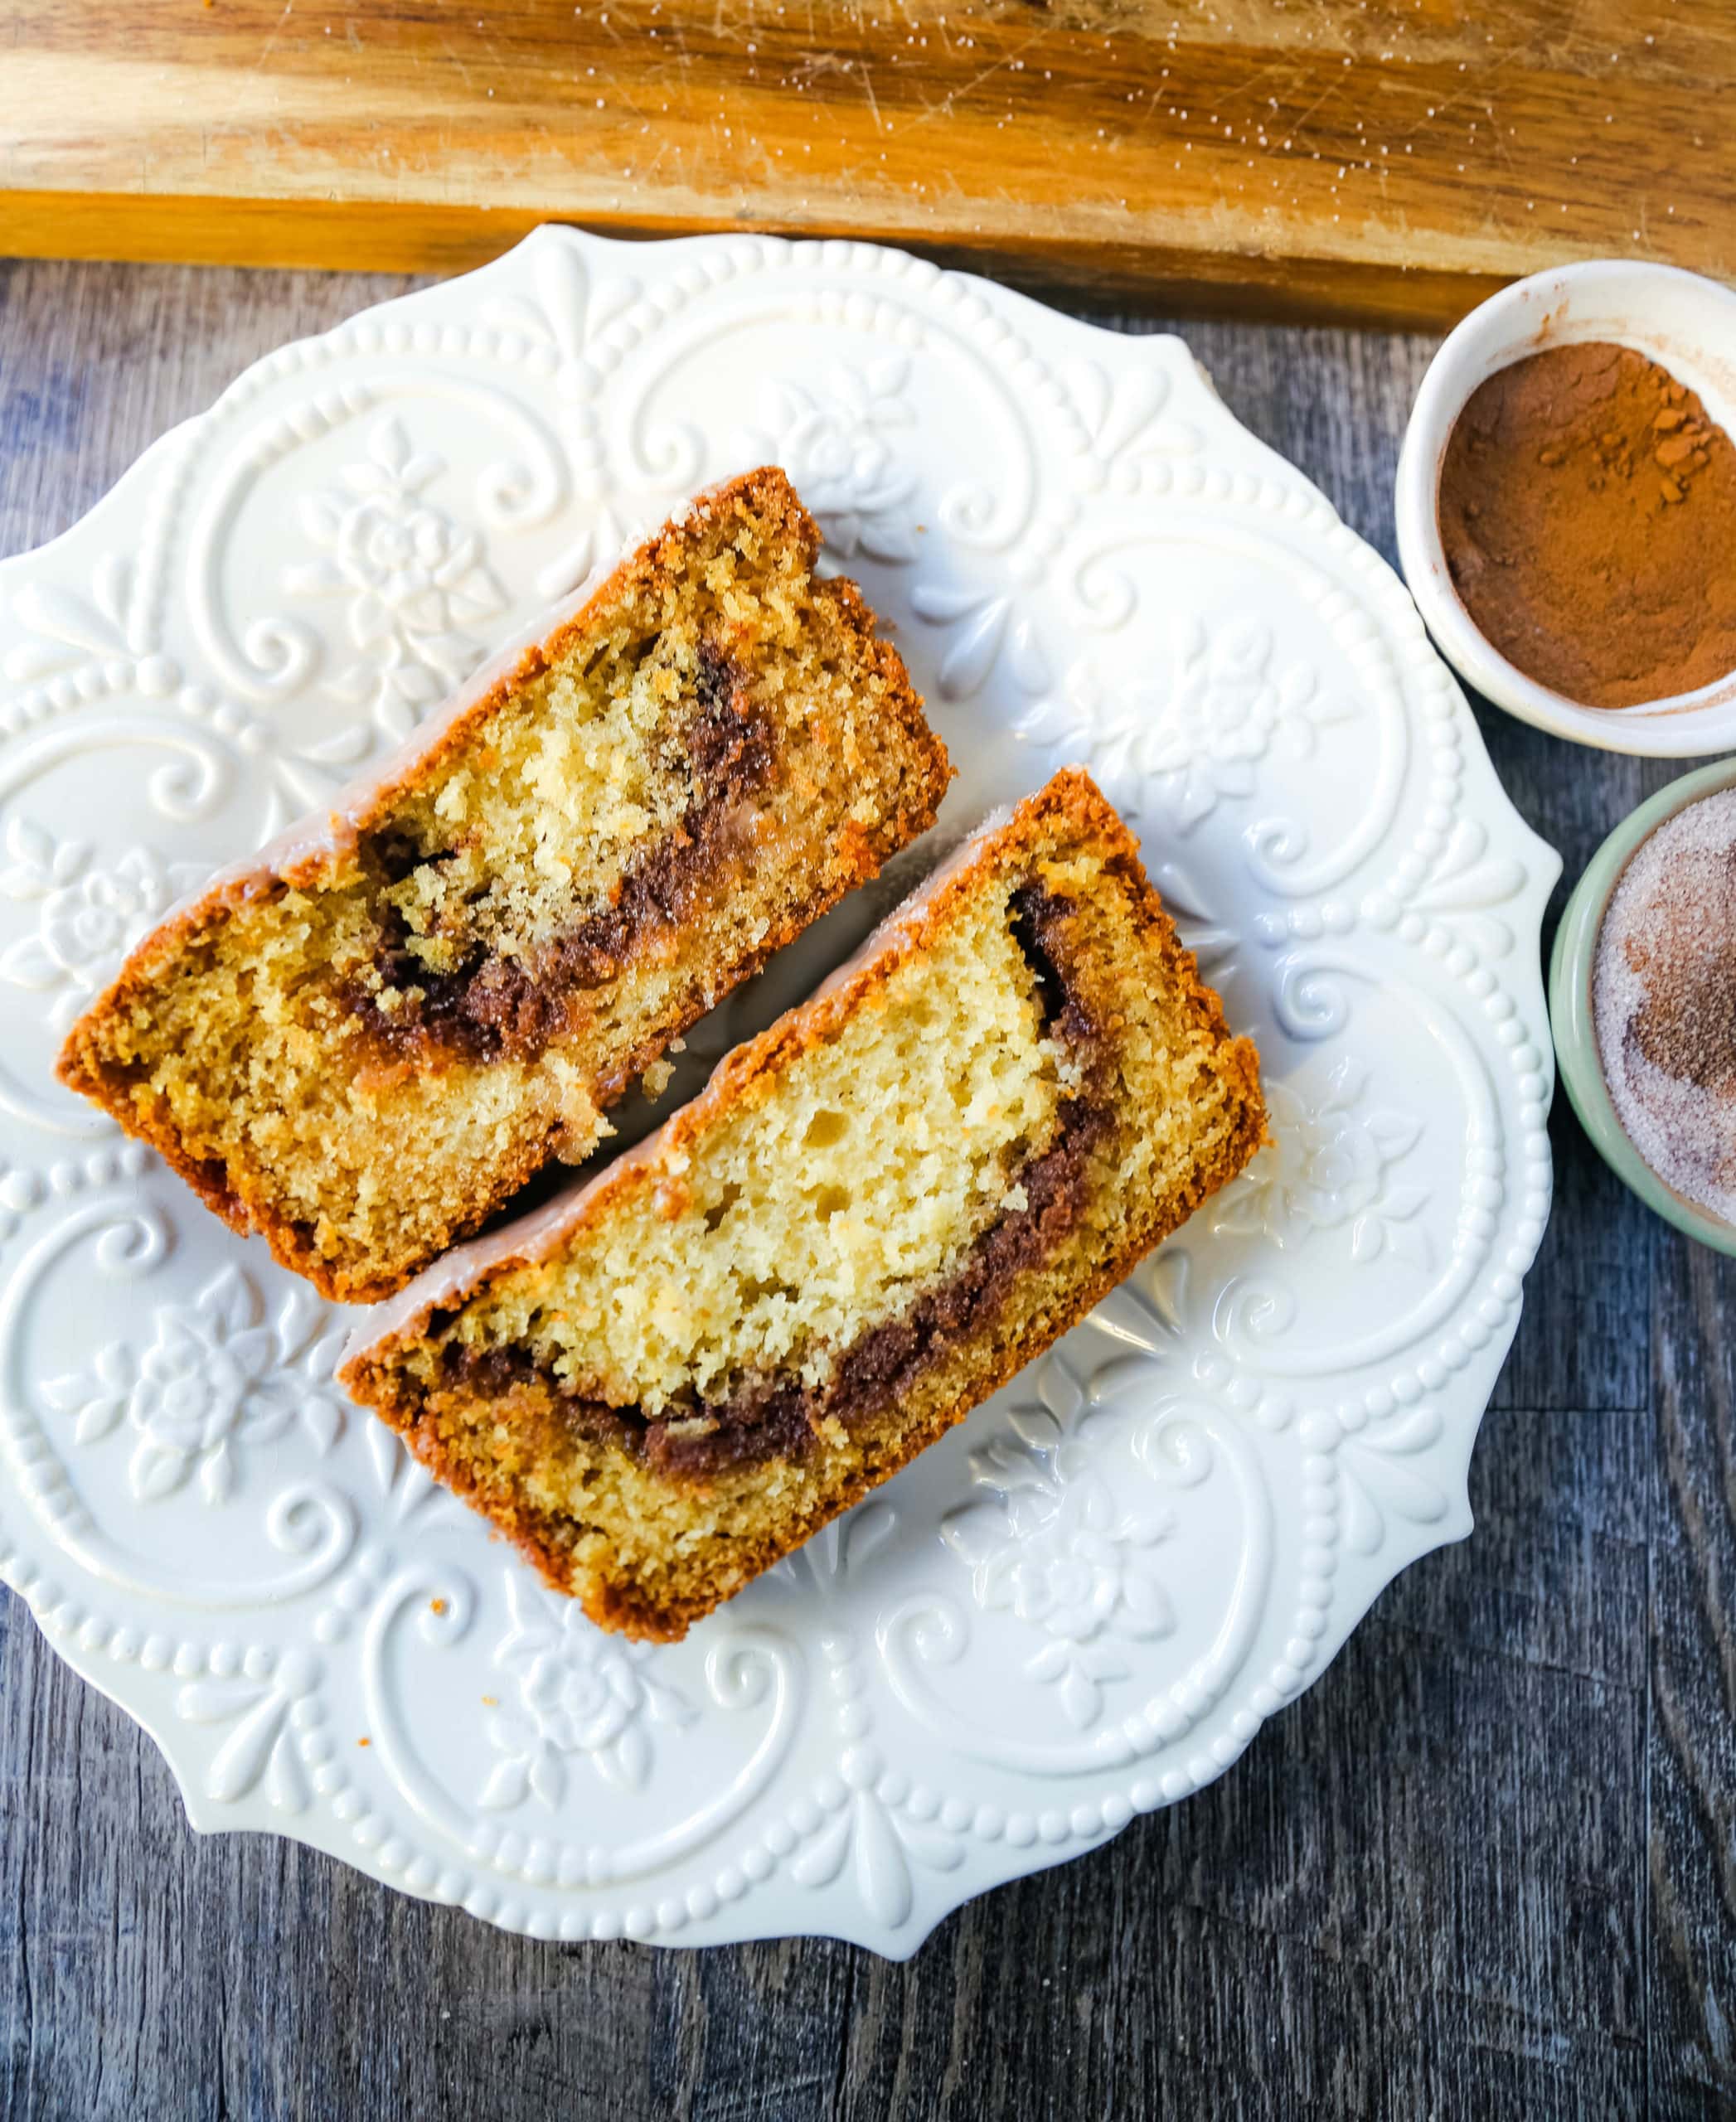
(1575,1025)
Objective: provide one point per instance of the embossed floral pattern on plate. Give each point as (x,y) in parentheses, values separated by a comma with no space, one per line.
(1081,1605)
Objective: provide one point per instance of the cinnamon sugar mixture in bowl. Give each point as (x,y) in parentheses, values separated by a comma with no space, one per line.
(1664,994)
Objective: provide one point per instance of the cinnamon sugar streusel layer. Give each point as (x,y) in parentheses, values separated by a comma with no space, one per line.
(365,1040)
(872,1217)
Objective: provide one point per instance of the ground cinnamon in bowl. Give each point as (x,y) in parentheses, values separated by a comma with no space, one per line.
(1587,505)
(1664,997)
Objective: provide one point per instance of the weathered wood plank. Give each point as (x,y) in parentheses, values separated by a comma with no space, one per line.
(1383,162)
(1691,1706)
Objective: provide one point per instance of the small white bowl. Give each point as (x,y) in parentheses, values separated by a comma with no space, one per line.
(1687,325)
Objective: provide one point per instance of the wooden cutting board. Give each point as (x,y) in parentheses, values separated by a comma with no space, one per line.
(1380,160)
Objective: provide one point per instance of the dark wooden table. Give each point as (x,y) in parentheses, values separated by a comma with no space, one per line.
(1486,1866)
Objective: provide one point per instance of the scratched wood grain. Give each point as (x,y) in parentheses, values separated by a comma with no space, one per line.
(1380,159)
(1485,1867)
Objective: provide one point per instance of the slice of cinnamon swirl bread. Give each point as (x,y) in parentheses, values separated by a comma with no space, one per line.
(872,1216)
(364,1040)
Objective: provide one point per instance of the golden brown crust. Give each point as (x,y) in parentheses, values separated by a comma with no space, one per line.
(1070,806)
(244,1199)
(612,1607)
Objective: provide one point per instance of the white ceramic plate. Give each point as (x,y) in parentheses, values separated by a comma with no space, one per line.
(1082,1603)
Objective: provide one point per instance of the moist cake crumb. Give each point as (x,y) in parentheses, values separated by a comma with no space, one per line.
(874,1214)
(364,1041)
